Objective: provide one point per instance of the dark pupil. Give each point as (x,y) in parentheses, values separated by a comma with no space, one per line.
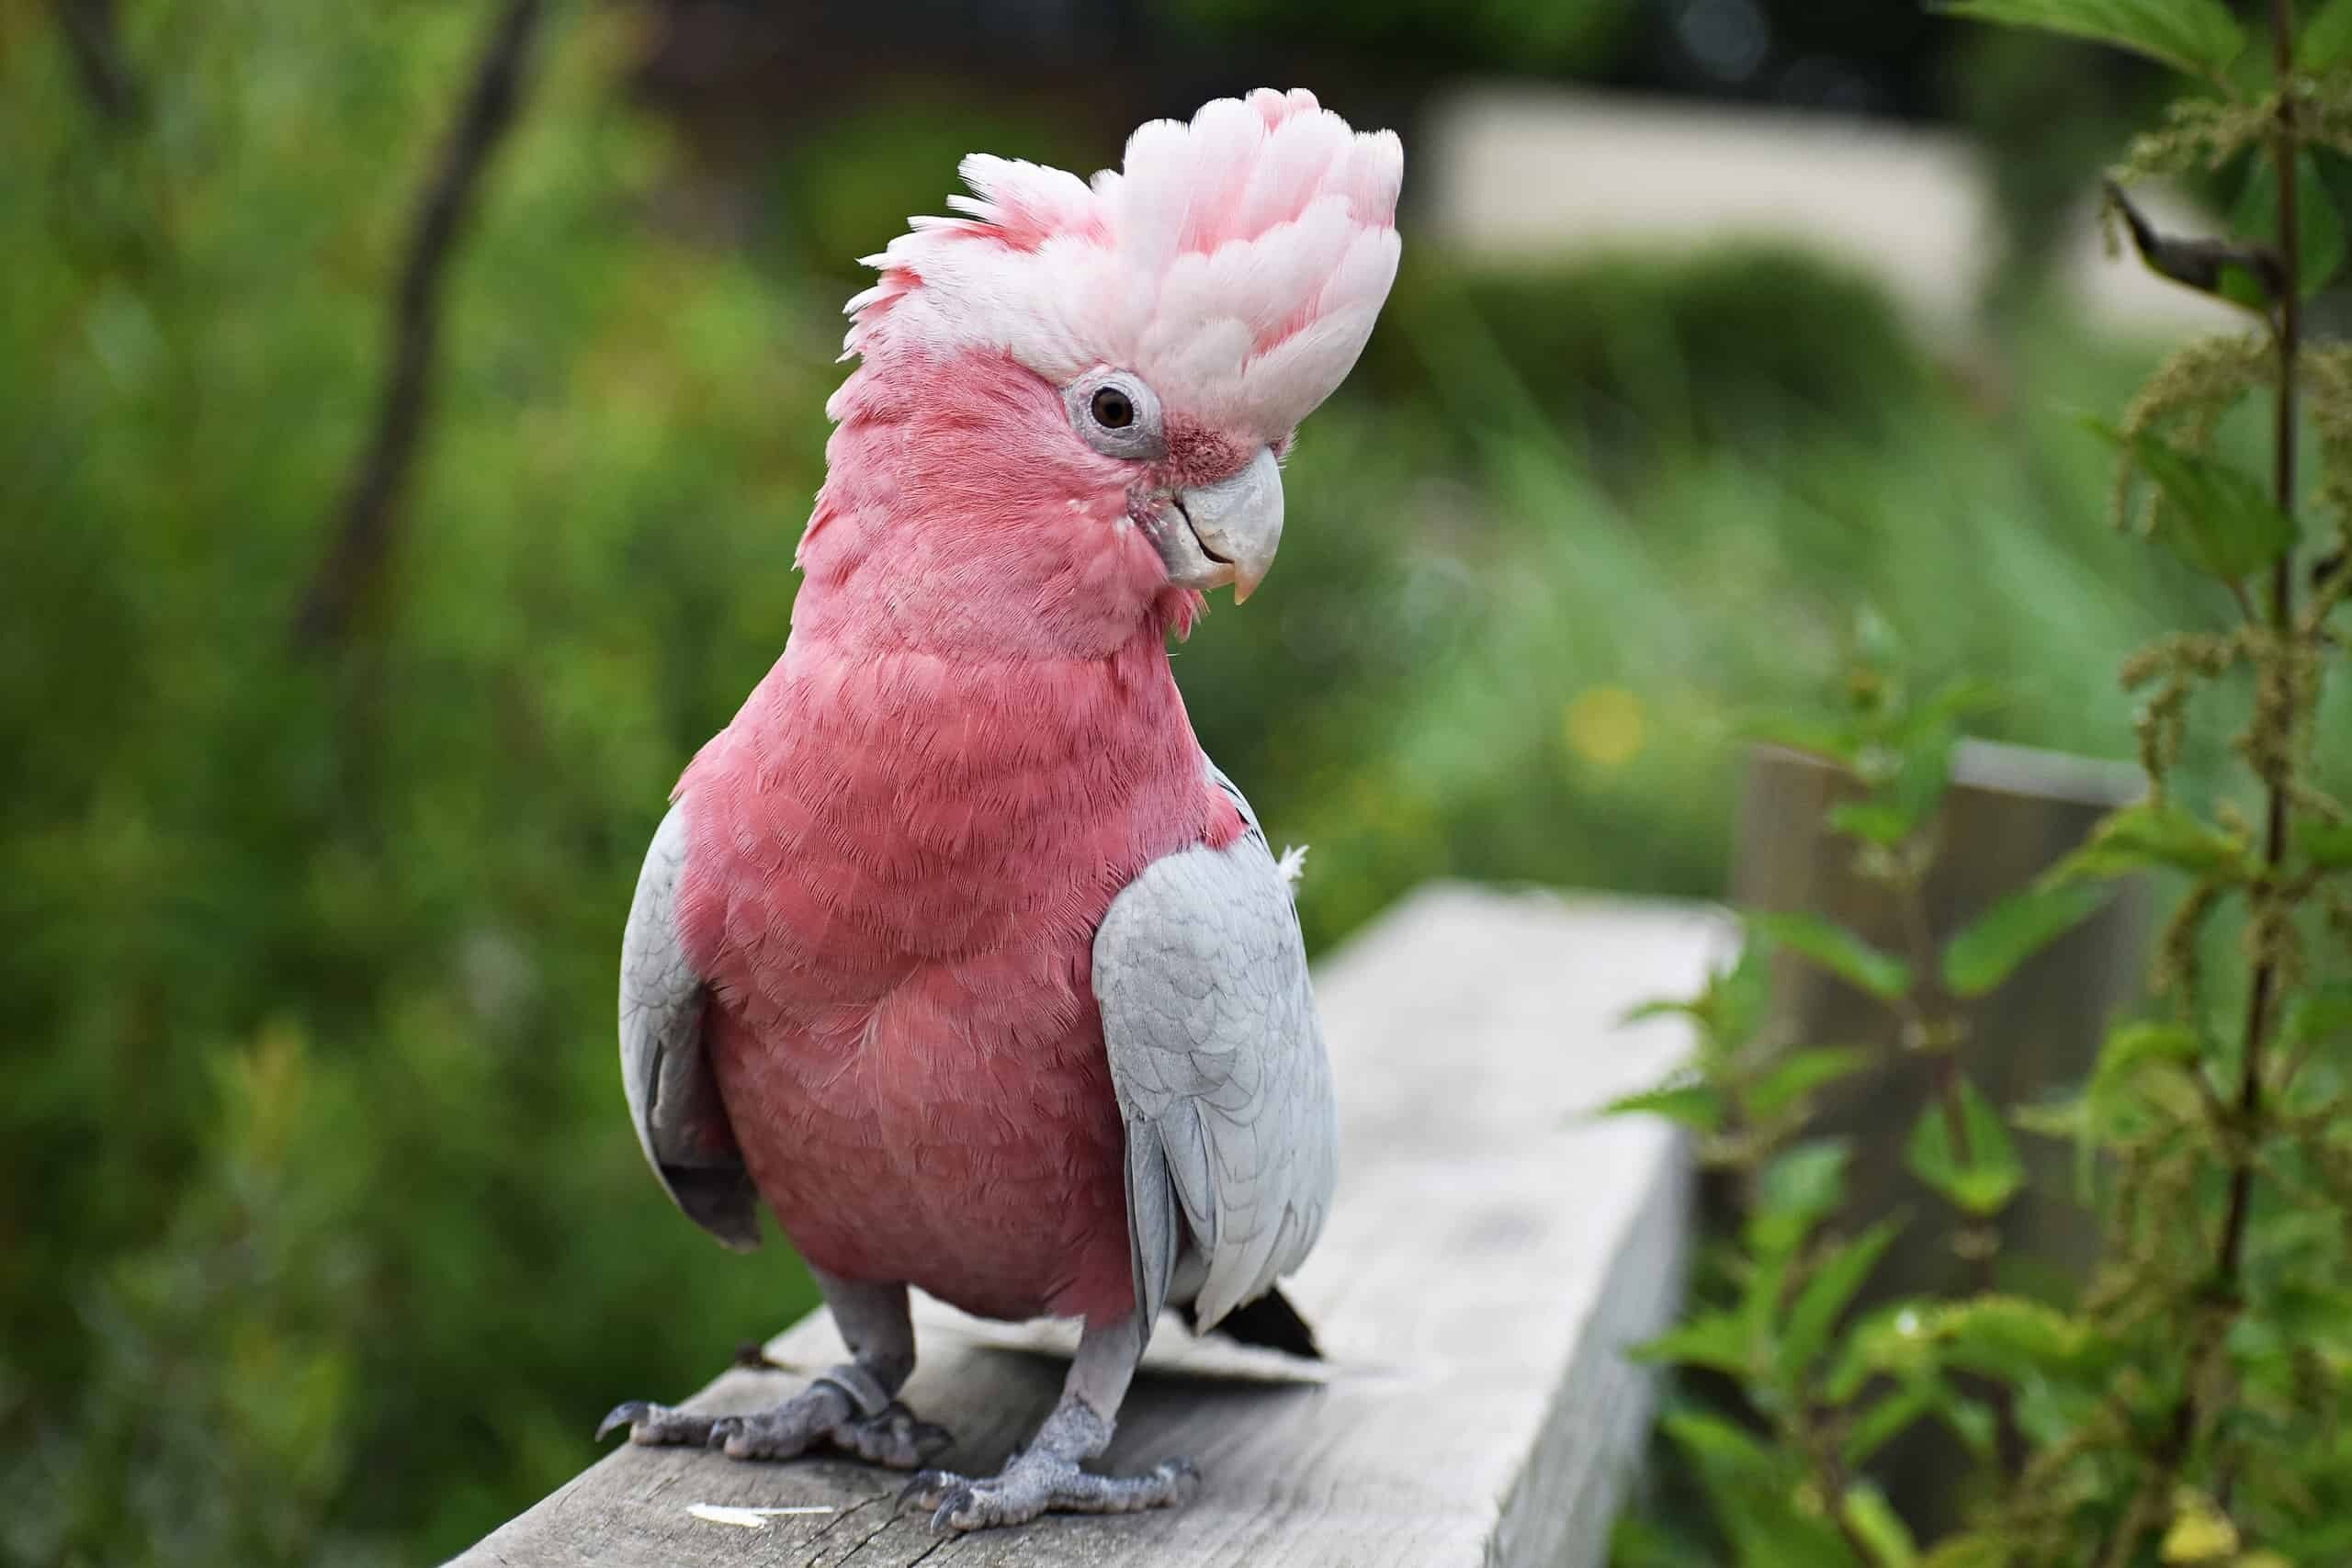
(1112,411)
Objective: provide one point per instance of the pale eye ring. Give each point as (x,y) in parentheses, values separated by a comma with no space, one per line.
(1115,413)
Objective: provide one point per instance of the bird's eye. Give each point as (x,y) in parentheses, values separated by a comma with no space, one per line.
(1112,409)
(1115,412)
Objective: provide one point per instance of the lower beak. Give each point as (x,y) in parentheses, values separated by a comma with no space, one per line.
(1236,524)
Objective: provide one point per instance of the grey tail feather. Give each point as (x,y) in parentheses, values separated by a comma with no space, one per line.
(1270,1322)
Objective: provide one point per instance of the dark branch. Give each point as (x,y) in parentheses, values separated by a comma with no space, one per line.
(364,530)
(96,47)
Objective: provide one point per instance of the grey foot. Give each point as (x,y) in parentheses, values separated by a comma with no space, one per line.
(1037,1482)
(891,1437)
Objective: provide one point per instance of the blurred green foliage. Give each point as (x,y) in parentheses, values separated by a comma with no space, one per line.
(1576,34)
(323,1238)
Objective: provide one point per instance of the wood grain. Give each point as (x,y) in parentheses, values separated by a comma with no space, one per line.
(1492,1251)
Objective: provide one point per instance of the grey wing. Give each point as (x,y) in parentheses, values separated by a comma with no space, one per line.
(672,1094)
(1217,1057)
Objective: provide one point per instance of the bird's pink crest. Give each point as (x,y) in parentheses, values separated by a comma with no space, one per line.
(1235,263)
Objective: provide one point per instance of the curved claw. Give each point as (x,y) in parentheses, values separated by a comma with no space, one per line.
(927,1487)
(626,1414)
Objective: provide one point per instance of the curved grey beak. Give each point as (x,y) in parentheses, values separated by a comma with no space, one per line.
(1234,526)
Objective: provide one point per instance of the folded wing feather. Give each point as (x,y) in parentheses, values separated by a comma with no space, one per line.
(1217,1058)
(672,1096)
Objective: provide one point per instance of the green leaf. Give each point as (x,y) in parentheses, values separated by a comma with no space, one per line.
(1956,700)
(1698,1106)
(1753,1495)
(1970,1422)
(1808,1180)
(1887,1340)
(2216,518)
(2068,1119)
(2328,845)
(1708,1436)
(1728,1009)
(2146,834)
(1975,1549)
(2319,229)
(2130,1047)
(2320,1015)
(1873,822)
(1742,995)
(1798,732)
(1718,1339)
(1827,1294)
(1836,949)
(1983,1179)
(2325,41)
(1799,1073)
(1796,1190)
(1989,951)
(2000,1335)
(1924,748)
(1893,1413)
(2197,37)
(1875,1520)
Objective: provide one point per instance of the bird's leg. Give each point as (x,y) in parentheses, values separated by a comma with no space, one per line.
(1045,1477)
(854,1406)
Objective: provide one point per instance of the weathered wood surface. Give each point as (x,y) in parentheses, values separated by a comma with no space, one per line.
(1491,1252)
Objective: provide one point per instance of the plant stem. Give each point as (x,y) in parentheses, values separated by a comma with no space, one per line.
(1919,1008)
(2282,623)
(1820,1450)
(1926,1022)
(2181,1431)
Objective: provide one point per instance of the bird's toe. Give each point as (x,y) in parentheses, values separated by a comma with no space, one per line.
(894,1438)
(653,1425)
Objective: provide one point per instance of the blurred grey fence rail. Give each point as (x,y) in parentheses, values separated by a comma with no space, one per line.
(1492,1252)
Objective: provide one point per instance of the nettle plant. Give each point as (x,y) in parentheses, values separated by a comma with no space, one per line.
(2188,1398)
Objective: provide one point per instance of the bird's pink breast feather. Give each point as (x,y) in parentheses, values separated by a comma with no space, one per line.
(902,847)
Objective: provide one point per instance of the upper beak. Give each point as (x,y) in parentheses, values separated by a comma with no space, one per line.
(1236,526)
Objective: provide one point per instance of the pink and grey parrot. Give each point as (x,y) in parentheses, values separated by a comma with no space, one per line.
(955,950)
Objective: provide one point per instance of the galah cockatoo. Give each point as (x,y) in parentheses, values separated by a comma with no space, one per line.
(955,949)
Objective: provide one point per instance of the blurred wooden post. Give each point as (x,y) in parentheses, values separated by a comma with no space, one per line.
(2010,814)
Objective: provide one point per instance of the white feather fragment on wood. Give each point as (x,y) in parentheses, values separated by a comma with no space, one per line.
(751,1518)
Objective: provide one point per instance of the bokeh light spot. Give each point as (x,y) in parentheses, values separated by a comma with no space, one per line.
(1604,726)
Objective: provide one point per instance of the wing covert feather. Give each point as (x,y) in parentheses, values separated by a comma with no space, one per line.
(1217,1057)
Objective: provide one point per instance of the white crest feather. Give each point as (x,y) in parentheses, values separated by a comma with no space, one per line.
(1236,263)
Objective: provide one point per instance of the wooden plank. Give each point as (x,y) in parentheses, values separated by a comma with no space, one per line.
(1490,1253)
